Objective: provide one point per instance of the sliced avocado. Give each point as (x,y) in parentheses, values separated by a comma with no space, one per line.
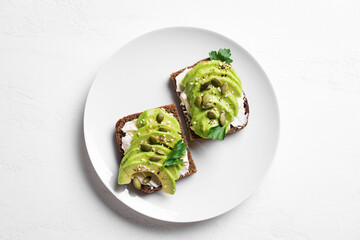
(148,117)
(200,120)
(166,139)
(141,159)
(146,157)
(158,132)
(157,127)
(137,154)
(200,81)
(229,103)
(195,86)
(229,76)
(211,68)
(130,153)
(203,124)
(165,177)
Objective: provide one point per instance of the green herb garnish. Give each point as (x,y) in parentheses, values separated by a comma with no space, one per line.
(217,133)
(222,55)
(176,153)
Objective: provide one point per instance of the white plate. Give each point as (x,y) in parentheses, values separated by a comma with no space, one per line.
(136,78)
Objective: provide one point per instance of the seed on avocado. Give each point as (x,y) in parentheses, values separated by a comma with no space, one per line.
(155,158)
(211,115)
(138,125)
(146,180)
(137,183)
(222,119)
(160,152)
(204,86)
(160,117)
(164,129)
(202,126)
(224,88)
(162,138)
(206,98)
(208,106)
(198,100)
(145,147)
(153,140)
(216,82)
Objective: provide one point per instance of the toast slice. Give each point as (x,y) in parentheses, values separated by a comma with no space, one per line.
(119,134)
(192,135)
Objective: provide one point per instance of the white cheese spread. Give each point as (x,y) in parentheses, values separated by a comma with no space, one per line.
(129,129)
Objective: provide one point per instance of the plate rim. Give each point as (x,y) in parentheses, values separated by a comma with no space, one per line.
(108,60)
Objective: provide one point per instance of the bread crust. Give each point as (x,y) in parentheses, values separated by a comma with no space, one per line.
(119,134)
(192,135)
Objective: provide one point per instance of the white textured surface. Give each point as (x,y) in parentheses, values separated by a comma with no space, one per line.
(50,52)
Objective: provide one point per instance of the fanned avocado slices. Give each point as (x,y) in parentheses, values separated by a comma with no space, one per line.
(152,144)
(212,88)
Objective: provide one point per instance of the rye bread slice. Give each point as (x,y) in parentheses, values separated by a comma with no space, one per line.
(119,134)
(192,135)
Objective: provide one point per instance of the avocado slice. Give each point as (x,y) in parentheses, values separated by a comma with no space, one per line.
(169,139)
(228,103)
(148,117)
(143,158)
(200,121)
(136,156)
(205,71)
(157,127)
(195,86)
(135,151)
(165,177)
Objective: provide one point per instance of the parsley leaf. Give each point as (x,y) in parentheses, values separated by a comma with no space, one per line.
(176,153)
(217,132)
(173,162)
(222,55)
(213,55)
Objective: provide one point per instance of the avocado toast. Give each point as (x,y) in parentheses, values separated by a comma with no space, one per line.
(153,150)
(211,97)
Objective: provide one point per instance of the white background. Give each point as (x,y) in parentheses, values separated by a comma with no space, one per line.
(50,52)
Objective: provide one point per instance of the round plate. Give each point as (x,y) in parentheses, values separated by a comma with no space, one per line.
(137,78)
